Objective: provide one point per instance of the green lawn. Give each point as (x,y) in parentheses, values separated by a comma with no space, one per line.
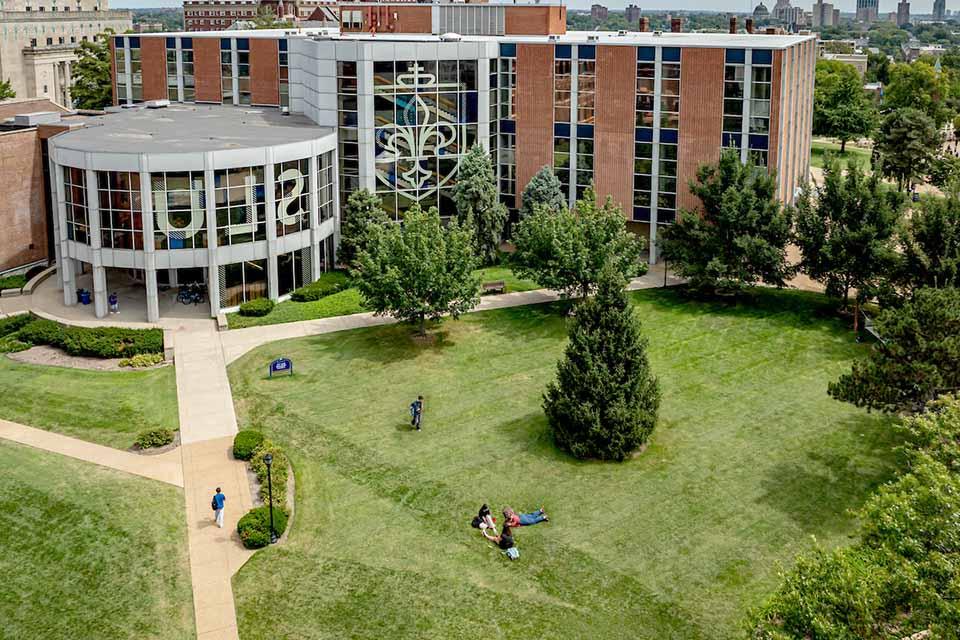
(89,552)
(350,301)
(751,458)
(819,149)
(106,407)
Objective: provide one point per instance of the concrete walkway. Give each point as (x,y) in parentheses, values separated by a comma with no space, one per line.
(164,467)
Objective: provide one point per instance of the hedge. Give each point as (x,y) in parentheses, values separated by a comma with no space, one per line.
(278,475)
(142,360)
(100,342)
(254,527)
(245,443)
(13,282)
(153,438)
(258,307)
(329,283)
(12,324)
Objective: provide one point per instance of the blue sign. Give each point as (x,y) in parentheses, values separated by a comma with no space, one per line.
(280,365)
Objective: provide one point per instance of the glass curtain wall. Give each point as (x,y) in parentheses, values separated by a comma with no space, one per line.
(121,218)
(179,202)
(240,206)
(75,201)
(347,129)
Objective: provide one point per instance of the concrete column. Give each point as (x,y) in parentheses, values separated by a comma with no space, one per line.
(655,177)
(149,251)
(335,162)
(747,93)
(64,265)
(179,71)
(96,247)
(271,206)
(213,265)
(483,103)
(314,185)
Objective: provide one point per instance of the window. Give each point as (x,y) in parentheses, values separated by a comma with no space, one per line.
(293,270)
(325,185)
(646,93)
(670,95)
(284,73)
(226,71)
(561,90)
(240,205)
(667,182)
(642,181)
(179,206)
(347,131)
(584,163)
(49,41)
(136,77)
(508,86)
(561,161)
(586,85)
(173,91)
(242,281)
(75,203)
(33,41)
(243,70)
(121,220)
(733,92)
(186,64)
(292,196)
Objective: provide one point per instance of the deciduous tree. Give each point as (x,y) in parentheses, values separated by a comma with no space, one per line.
(478,203)
(841,108)
(930,244)
(906,145)
(92,85)
(918,85)
(6,91)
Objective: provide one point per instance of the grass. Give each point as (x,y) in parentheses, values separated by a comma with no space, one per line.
(90,552)
(105,407)
(13,282)
(350,301)
(819,149)
(750,459)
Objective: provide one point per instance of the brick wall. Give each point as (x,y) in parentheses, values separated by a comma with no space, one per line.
(22,207)
(701,116)
(534,111)
(614,128)
(264,71)
(153,56)
(206,69)
(535,21)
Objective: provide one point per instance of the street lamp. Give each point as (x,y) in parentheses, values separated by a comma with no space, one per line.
(268,460)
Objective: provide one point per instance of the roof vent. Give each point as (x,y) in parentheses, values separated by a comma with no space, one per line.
(35,118)
(657,34)
(593,38)
(451,37)
(156,104)
(622,32)
(553,37)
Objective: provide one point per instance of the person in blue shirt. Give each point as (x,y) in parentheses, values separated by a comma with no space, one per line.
(218,500)
(416,412)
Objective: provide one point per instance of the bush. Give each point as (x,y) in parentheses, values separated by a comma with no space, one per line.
(279,475)
(10,344)
(13,324)
(153,438)
(13,282)
(258,307)
(328,284)
(99,342)
(254,527)
(245,443)
(142,360)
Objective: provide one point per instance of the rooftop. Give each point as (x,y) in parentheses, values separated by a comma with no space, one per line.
(181,128)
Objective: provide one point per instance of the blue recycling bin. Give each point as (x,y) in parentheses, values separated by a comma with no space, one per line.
(84,297)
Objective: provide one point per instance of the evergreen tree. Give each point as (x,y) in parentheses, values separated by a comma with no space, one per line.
(420,270)
(841,108)
(739,238)
(930,244)
(361,217)
(846,233)
(6,91)
(92,85)
(906,145)
(478,203)
(544,189)
(917,359)
(605,400)
(566,250)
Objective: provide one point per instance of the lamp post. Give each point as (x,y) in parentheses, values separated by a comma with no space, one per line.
(268,460)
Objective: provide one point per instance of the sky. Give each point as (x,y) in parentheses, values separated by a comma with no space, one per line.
(740,6)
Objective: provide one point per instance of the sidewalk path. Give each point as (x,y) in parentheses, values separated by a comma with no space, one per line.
(207,426)
(164,467)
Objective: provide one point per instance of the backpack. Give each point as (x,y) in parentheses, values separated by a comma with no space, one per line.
(475,523)
(413,409)
(214,503)
(513,553)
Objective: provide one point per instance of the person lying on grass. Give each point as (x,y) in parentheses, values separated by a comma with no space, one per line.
(513,519)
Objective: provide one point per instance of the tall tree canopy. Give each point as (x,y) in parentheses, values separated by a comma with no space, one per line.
(740,237)
(918,85)
(420,270)
(545,190)
(478,203)
(930,244)
(605,400)
(841,108)
(92,86)
(361,218)
(846,233)
(906,145)
(566,250)
(6,91)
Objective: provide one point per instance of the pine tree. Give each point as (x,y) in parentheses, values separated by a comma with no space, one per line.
(478,203)
(605,400)
(92,86)
(361,217)
(545,190)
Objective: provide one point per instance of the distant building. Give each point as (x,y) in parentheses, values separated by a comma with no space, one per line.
(217,15)
(599,12)
(147,27)
(780,10)
(903,13)
(939,9)
(913,50)
(824,15)
(856,60)
(868,11)
(761,13)
(632,13)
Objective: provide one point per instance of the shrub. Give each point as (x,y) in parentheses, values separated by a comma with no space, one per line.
(328,284)
(100,342)
(10,344)
(13,324)
(13,282)
(245,443)
(142,360)
(279,475)
(153,438)
(257,307)
(254,527)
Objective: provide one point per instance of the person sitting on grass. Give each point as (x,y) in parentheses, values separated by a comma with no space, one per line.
(504,540)
(485,520)
(513,519)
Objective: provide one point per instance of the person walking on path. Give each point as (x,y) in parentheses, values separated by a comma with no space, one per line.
(114,303)
(416,412)
(218,500)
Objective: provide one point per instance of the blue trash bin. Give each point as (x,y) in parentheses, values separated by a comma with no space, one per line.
(84,297)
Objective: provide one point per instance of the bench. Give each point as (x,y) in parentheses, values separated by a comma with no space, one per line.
(496,286)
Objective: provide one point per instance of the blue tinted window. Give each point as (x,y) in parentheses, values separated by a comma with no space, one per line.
(584,130)
(508,126)
(243,44)
(731,140)
(671,54)
(644,135)
(586,52)
(735,56)
(641,214)
(225,44)
(758,142)
(562,52)
(171,43)
(646,54)
(283,45)
(561,130)
(508,50)
(762,56)
(668,135)
(135,42)
(666,216)
(186,43)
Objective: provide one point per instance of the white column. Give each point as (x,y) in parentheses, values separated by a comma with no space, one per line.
(213,265)
(234,71)
(655,173)
(99,271)
(315,240)
(335,162)
(179,71)
(366,135)
(747,92)
(271,204)
(483,102)
(149,251)
(64,262)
